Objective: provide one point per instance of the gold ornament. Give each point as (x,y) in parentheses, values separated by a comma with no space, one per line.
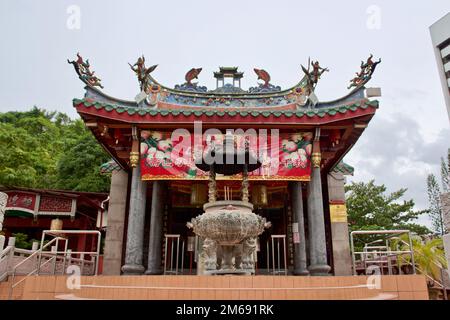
(134,159)
(316,158)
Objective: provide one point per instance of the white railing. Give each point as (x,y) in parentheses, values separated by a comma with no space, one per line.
(47,260)
(4,262)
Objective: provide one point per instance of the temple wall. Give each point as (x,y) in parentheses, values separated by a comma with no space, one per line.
(342,263)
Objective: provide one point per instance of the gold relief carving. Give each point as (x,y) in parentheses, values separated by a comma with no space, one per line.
(316,158)
(134,159)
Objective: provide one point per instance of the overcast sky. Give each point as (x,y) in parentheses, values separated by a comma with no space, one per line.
(404,141)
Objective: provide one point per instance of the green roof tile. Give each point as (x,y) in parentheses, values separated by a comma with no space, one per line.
(244,113)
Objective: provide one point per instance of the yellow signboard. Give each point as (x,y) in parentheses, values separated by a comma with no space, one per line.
(338,213)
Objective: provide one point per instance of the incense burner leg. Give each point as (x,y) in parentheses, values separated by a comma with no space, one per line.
(210,253)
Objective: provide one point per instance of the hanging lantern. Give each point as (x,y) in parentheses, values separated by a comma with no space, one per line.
(199,194)
(259,195)
(335,137)
(56,224)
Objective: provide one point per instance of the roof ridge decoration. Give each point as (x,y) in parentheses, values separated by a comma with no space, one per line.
(189,85)
(190,94)
(266,87)
(143,73)
(365,74)
(82,68)
(314,75)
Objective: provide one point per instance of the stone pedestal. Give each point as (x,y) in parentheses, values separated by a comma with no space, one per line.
(136,221)
(112,257)
(300,267)
(342,261)
(317,240)
(156,224)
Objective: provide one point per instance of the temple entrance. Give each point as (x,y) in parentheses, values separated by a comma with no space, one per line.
(180,210)
(278,219)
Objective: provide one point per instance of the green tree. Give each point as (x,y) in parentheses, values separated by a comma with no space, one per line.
(429,255)
(370,208)
(78,167)
(41,149)
(436,213)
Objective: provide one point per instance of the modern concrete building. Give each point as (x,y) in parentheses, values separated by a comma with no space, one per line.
(440,36)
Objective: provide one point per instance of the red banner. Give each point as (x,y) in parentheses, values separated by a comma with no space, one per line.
(170,155)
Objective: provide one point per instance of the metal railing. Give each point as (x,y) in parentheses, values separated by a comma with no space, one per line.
(172,245)
(5,258)
(379,255)
(44,258)
(276,249)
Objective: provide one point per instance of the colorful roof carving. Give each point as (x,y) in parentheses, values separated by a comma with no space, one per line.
(190,94)
(109,167)
(344,168)
(287,115)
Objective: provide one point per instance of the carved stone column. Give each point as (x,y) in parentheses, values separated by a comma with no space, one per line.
(300,267)
(136,216)
(317,240)
(156,225)
(112,257)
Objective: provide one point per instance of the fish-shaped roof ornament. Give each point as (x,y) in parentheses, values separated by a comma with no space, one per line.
(192,74)
(263,75)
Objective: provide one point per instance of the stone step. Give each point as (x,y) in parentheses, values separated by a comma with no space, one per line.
(220,288)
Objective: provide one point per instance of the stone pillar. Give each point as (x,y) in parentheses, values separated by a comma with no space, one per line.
(156,226)
(342,261)
(300,267)
(112,256)
(136,220)
(316,225)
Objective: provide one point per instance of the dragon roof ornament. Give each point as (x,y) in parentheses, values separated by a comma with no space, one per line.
(365,74)
(82,68)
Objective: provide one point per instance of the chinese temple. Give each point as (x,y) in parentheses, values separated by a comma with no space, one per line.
(156,140)
(30,211)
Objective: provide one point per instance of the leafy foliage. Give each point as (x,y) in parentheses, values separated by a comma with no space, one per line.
(429,255)
(48,150)
(22,241)
(436,213)
(370,208)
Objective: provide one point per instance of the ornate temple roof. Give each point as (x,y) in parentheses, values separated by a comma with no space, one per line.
(167,114)
(158,107)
